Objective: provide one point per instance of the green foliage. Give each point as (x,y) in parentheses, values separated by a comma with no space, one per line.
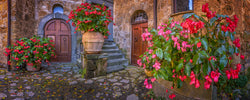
(32,50)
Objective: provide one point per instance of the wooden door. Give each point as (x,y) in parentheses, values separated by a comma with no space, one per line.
(138,46)
(59,31)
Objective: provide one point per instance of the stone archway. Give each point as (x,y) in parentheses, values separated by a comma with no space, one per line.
(139,22)
(49,17)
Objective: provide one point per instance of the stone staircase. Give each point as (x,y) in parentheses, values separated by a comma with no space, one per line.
(116,59)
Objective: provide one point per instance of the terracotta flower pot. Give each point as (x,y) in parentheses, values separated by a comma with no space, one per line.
(32,68)
(149,73)
(13,66)
(92,42)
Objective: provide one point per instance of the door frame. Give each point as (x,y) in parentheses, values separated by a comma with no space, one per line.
(56,41)
(46,19)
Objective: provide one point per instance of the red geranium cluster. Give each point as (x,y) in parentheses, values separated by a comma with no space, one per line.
(210,14)
(234,73)
(231,24)
(236,42)
(30,51)
(90,17)
(192,26)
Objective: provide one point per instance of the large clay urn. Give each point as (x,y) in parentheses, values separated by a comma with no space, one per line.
(92,42)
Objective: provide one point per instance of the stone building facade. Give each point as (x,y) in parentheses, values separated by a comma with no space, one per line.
(124,10)
(29,17)
(3,29)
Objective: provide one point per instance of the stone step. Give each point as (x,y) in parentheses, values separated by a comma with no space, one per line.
(111,50)
(115,56)
(114,68)
(114,62)
(108,43)
(113,46)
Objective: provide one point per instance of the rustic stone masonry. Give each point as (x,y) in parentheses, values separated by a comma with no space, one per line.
(95,64)
(3,29)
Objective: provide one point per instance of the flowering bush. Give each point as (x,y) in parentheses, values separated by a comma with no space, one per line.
(199,48)
(31,51)
(90,17)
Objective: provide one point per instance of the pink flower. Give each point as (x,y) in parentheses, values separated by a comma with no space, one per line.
(157,65)
(182,78)
(153,79)
(139,62)
(150,51)
(149,86)
(154,56)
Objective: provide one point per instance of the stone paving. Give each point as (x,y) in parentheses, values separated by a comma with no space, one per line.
(64,82)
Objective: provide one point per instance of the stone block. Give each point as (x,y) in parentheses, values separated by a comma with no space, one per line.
(186,92)
(95,64)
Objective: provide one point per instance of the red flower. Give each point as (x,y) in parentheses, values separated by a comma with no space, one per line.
(238,67)
(191,61)
(198,44)
(197,84)
(205,7)
(242,57)
(172,96)
(166,91)
(9,63)
(237,54)
(215,76)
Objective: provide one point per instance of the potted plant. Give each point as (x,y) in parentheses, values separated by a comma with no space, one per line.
(198,49)
(93,21)
(16,52)
(38,50)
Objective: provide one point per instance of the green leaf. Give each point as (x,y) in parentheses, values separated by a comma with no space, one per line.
(232,37)
(196,58)
(213,20)
(203,53)
(179,66)
(188,69)
(179,83)
(223,62)
(231,50)
(167,56)
(159,53)
(204,43)
(185,16)
(221,49)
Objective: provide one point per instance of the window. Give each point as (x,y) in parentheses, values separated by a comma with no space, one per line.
(58,9)
(182,5)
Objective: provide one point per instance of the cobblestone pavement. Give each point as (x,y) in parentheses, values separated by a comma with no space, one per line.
(64,82)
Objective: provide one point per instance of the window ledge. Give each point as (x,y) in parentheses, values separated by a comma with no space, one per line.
(183,12)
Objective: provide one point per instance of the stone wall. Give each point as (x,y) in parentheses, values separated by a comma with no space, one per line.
(124,9)
(23,19)
(3,29)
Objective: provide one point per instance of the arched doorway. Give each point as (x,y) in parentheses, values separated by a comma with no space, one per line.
(139,23)
(59,31)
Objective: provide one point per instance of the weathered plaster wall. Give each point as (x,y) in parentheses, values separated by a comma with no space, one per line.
(123,11)
(23,20)
(3,29)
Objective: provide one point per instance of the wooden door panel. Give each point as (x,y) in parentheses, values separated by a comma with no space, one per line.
(64,48)
(138,46)
(59,31)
